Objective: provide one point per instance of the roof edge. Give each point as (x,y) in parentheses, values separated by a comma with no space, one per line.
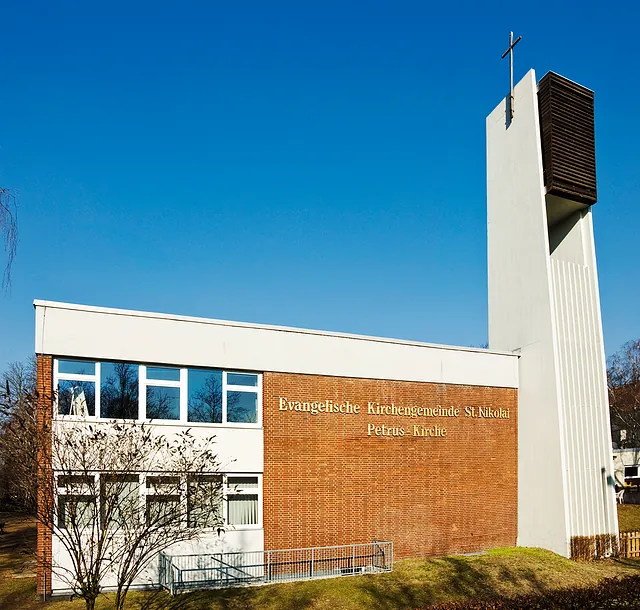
(289,329)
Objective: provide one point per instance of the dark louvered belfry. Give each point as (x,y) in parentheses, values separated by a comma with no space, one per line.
(568,139)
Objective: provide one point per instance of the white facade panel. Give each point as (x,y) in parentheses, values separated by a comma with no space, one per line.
(237,449)
(79,331)
(239,452)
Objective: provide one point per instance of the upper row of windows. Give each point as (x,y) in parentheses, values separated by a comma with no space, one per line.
(121,390)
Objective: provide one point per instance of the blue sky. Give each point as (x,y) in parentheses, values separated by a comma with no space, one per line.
(307,164)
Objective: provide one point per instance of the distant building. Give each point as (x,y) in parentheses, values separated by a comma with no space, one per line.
(626,464)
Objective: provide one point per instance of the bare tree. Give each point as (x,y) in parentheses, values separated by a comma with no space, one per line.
(113,494)
(18,380)
(121,493)
(18,454)
(623,376)
(9,231)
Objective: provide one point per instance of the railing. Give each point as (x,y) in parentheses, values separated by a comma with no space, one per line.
(630,544)
(183,572)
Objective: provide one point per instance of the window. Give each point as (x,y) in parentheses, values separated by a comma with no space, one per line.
(122,390)
(221,397)
(163,373)
(118,390)
(119,499)
(242,407)
(76,367)
(76,387)
(163,499)
(242,379)
(241,398)
(210,500)
(204,501)
(205,396)
(163,403)
(76,502)
(242,500)
(162,397)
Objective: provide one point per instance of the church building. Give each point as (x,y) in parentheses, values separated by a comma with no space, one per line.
(335,438)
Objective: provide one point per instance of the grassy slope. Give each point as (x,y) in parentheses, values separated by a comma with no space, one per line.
(412,584)
(419,583)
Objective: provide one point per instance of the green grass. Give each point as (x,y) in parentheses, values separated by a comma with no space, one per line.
(412,584)
(629,517)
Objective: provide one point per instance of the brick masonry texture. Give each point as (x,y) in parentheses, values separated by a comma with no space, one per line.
(326,482)
(43,419)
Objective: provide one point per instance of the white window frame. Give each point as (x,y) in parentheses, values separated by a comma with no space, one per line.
(161,383)
(141,495)
(99,384)
(79,491)
(256,389)
(144,382)
(228,491)
(95,378)
(222,500)
(146,492)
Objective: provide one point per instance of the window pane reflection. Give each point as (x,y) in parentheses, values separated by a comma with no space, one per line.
(163,373)
(76,367)
(204,502)
(76,398)
(242,379)
(205,396)
(242,407)
(120,499)
(163,403)
(119,390)
(76,512)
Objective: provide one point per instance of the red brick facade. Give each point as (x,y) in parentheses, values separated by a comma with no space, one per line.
(338,478)
(44,416)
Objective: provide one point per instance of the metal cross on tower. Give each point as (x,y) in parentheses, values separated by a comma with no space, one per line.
(509,52)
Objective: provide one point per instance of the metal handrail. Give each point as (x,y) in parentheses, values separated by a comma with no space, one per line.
(182,572)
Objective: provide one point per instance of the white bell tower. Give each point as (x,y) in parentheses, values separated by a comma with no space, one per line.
(544,303)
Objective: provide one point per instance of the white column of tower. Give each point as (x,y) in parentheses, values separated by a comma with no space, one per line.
(582,375)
